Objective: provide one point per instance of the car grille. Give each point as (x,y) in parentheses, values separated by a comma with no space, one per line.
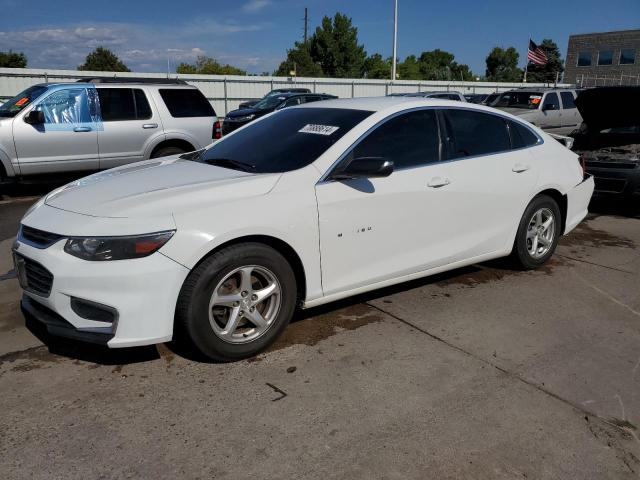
(37,238)
(39,279)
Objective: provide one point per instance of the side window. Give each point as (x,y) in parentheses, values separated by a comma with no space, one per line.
(567,100)
(521,136)
(143,109)
(66,107)
(186,102)
(116,104)
(551,102)
(409,140)
(475,133)
(312,98)
(292,102)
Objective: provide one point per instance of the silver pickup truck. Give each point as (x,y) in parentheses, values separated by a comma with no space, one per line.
(553,110)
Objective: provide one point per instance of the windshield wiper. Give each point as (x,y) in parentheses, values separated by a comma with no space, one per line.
(232,164)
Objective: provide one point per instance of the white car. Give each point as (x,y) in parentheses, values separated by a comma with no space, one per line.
(305,206)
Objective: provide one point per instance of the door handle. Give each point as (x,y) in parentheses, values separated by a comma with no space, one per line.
(150,125)
(437,182)
(82,129)
(519,168)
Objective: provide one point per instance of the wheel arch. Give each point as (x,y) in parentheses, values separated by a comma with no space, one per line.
(173,142)
(562,202)
(278,245)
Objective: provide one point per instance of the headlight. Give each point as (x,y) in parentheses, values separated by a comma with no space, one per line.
(116,248)
(246,118)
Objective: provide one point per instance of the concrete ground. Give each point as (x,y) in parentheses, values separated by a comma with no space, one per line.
(480,373)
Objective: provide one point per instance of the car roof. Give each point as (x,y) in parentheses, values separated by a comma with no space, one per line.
(117,84)
(376,104)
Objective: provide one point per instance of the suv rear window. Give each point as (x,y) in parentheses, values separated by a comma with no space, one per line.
(183,102)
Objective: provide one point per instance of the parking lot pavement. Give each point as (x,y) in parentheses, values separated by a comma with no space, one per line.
(483,372)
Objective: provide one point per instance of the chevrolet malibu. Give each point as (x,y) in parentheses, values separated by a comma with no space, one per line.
(305,206)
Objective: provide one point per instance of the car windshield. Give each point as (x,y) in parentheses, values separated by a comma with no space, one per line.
(527,100)
(271,101)
(288,140)
(14,106)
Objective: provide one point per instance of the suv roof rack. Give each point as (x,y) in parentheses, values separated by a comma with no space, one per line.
(156,81)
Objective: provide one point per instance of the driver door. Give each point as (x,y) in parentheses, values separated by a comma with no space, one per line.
(68,138)
(380,228)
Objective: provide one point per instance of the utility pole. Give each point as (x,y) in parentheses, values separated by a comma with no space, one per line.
(306,23)
(395,41)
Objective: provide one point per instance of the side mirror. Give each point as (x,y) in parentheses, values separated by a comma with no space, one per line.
(365,167)
(34,117)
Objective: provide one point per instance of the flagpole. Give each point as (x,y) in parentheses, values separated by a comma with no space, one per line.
(526,65)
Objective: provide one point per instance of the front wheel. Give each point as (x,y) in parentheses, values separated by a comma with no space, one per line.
(538,233)
(237,302)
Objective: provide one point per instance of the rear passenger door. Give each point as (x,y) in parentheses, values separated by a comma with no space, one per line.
(571,118)
(490,176)
(550,113)
(130,126)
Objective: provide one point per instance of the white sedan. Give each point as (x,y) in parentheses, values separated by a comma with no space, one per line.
(303,207)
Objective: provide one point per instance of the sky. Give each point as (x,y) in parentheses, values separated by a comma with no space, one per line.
(255,34)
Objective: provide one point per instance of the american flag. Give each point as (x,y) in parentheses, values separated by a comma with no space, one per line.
(536,55)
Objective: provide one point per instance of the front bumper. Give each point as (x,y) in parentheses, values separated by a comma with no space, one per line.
(142,293)
(619,180)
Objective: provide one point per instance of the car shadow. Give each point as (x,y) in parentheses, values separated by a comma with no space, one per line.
(620,207)
(92,353)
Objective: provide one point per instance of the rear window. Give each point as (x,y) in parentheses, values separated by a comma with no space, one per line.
(186,102)
(567,100)
(303,134)
(521,136)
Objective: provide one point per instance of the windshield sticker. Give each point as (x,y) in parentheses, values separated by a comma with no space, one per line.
(318,129)
(535,100)
(22,101)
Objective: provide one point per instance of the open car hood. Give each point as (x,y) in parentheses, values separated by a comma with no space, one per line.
(609,107)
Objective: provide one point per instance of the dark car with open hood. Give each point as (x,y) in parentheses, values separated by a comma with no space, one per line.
(238,118)
(609,139)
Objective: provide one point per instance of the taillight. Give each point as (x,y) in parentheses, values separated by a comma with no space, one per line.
(217,130)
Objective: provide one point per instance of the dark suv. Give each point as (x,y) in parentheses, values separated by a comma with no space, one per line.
(240,117)
(277,91)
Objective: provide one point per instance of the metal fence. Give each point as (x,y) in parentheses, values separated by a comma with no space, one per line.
(226,92)
(607,80)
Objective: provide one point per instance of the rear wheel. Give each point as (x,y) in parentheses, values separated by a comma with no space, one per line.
(538,233)
(237,302)
(167,151)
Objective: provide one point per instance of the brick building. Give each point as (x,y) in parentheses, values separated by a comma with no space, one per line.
(598,59)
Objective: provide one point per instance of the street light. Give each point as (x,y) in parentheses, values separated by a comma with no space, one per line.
(395,41)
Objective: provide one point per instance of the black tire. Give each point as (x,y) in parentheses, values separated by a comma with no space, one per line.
(192,324)
(521,254)
(167,151)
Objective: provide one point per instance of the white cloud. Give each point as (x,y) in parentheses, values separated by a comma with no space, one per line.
(141,47)
(253,6)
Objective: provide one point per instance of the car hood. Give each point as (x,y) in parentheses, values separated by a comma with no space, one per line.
(158,187)
(243,112)
(609,107)
(518,112)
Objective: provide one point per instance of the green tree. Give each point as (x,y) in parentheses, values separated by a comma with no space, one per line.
(13,60)
(103,60)
(299,60)
(502,65)
(334,45)
(377,67)
(209,66)
(410,69)
(547,73)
